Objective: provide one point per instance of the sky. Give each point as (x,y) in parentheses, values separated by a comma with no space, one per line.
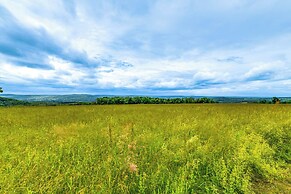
(134,47)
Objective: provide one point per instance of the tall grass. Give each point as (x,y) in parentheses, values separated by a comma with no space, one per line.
(145,149)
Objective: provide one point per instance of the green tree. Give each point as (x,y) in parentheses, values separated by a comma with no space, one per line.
(1,90)
(275,100)
(264,101)
(150,100)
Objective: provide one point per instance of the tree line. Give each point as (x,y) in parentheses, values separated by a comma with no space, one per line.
(275,100)
(150,100)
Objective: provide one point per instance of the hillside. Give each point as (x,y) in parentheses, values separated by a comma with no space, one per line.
(53,98)
(11,102)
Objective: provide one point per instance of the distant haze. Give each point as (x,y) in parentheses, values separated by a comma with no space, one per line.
(92,98)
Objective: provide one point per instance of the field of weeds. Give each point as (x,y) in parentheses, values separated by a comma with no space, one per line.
(206,148)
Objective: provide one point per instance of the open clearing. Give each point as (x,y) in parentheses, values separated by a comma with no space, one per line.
(199,148)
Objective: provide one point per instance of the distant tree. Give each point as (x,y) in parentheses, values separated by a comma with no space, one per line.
(1,90)
(275,100)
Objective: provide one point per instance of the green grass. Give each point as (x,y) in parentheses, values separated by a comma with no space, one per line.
(209,148)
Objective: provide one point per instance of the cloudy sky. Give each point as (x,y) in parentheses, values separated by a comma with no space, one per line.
(134,47)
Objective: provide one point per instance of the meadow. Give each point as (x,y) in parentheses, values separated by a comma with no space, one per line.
(190,148)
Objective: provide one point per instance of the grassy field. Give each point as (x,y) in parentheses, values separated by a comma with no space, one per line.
(207,148)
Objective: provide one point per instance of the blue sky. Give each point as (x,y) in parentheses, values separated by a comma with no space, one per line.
(162,47)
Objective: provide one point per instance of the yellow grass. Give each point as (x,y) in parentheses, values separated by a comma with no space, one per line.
(209,148)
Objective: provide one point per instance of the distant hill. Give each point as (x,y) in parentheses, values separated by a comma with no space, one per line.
(11,102)
(53,98)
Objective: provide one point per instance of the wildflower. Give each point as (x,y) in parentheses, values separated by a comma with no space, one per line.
(131,146)
(133,167)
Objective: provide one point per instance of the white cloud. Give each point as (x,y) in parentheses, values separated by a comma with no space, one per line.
(189,47)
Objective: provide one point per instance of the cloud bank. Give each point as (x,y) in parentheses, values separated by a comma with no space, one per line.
(218,48)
